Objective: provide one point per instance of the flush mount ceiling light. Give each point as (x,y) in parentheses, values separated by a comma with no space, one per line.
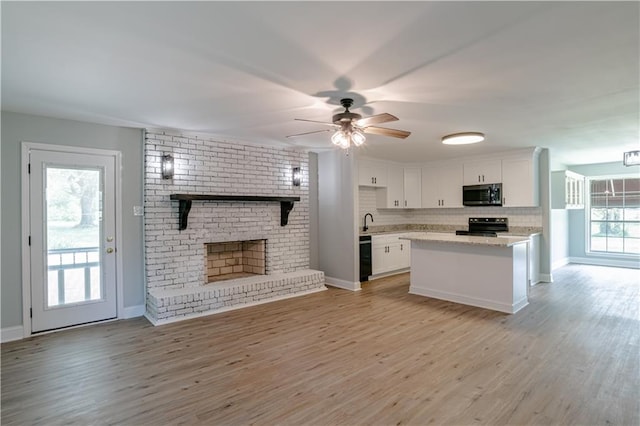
(464,138)
(631,158)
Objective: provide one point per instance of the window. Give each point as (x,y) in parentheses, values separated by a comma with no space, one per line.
(614,215)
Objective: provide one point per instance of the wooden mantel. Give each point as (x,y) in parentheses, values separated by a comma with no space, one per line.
(286,204)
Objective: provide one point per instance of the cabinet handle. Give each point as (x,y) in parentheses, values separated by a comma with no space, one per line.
(375,180)
(483,178)
(401,247)
(405,203)
(443,203)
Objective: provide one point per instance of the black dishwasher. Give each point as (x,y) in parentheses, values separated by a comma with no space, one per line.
(365,257)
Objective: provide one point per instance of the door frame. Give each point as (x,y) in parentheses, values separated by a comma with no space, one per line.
(25,231)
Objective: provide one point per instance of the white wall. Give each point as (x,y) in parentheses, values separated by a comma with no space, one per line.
(17,128)
(313,211)
(559,238)
(338,234)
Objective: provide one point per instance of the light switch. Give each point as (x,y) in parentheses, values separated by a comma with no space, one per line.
(138,211)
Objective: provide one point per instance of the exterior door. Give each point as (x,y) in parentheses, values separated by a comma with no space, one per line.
(72,231)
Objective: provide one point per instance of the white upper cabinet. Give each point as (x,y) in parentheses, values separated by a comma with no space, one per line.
(392,197)
(403,189)
(442,186)
(412,188)
(372,173)
(520,182)
(479,172)
(567,190)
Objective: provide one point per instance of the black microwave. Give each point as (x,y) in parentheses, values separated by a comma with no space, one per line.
(482,195)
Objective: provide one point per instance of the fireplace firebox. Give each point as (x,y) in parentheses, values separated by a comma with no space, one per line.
(235,259)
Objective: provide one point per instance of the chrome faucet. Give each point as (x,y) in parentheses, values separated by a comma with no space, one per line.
(365,227)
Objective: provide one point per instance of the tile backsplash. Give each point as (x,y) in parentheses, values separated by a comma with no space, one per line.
(530,217)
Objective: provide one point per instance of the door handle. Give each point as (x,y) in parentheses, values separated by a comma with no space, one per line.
(109,250)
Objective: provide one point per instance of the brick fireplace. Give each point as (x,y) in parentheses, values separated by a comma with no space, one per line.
(186,276)
(234,259)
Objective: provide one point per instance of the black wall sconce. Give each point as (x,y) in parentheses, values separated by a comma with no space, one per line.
(295,176)
(166,166)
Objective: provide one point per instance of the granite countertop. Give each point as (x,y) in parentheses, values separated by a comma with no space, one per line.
(442,237)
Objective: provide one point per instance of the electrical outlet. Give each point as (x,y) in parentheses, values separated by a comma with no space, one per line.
(138,211)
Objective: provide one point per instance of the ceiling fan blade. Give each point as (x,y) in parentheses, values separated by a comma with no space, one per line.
(376,119)
(314,121)
(308,133)
(394,133)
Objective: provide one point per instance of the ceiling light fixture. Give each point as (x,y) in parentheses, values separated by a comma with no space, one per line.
(631,158)
(464,138)
(346,136)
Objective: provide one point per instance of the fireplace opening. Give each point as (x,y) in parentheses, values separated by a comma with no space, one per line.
(235,259)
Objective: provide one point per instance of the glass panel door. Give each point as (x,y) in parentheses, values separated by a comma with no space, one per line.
(72,227)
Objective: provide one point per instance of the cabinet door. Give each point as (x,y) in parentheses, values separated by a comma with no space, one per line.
(405,254)
(372,173)
(412,188)
(442,186)
(517,183)
(379,258)
(394,256)
(431,187)
(392,197)
(479,172)
(451,186)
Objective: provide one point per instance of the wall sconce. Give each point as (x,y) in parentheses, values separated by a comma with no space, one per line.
(295,176)
(631,158)
(166,166)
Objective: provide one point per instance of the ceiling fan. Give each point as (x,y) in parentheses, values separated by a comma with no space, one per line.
(350,126)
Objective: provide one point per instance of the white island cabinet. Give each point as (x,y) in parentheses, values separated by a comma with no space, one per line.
(487,272)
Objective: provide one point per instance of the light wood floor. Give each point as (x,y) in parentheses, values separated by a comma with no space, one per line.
(379,356)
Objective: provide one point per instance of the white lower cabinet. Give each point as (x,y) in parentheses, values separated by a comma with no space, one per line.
(389,253)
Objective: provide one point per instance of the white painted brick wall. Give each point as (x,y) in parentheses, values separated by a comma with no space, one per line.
(175,259)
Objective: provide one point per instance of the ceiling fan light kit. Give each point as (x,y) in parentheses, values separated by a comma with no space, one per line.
(464,138)
(351,127)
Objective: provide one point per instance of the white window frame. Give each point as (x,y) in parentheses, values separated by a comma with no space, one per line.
(587,221)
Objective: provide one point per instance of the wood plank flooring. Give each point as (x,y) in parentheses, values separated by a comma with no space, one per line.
(375,357)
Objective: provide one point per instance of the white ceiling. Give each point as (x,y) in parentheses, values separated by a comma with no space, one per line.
(560,75)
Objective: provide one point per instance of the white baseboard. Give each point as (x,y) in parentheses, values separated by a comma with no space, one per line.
(133,311)
(10,334)
(560,263)
(347,285)
(230,308)
(471,301)
(389,274)
(606,262)
(545,278)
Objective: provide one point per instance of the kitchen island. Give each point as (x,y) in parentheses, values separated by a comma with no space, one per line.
(487,272)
